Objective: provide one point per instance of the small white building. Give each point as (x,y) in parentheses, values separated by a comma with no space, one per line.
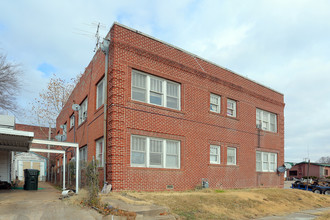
(29,160)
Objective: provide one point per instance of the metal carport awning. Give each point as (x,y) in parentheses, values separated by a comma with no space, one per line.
(15,140)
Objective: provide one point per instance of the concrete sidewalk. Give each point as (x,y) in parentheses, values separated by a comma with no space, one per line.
(302,215)
(41,204)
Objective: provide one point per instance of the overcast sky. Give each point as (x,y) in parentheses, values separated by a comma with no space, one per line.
(283,44)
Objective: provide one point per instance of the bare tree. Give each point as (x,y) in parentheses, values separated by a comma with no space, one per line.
(9,84)
(51,101)
(324,160)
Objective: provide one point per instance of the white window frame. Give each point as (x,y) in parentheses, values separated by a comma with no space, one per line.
(163,93)
(99,151)
(233,109)
(83,111)
(72,121)
(100,97)
(217,105)
(263,120)
(164,153)
(235,155)
(217,154)
(266,165)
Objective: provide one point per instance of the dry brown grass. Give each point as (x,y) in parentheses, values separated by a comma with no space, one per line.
(77,199)
(229,204)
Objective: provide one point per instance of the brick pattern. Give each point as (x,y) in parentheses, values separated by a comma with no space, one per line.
(194,125)
(39,133)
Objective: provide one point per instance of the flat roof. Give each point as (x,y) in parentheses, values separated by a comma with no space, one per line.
(191,54)
(15,140)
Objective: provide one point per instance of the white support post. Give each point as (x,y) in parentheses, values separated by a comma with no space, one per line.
(64,144)
(64,160)
(77,170)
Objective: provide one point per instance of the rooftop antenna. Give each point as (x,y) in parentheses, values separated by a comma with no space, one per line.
(92,35)
(97,36)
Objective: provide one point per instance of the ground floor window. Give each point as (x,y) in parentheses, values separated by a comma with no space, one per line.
(83,155)
(293,173)
(266,162)
(231,156)
(154,152)
(99,152)
(214,154)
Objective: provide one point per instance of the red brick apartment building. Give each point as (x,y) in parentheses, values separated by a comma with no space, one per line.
(174,119)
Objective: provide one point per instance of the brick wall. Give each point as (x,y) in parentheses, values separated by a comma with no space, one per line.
(193,125)
(39,133)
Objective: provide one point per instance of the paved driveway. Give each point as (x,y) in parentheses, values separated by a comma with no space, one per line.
(41,204)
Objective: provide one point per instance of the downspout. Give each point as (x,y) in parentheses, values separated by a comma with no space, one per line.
(105,49)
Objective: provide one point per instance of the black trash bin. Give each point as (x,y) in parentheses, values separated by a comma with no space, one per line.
(31,179)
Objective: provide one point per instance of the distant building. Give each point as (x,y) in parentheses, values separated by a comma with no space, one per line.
(173,119)
(300,170)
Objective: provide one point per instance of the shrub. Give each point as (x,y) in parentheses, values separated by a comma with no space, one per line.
(92,179)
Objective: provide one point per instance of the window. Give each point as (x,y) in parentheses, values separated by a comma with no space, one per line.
(100,94)
(293,173)
(326,172)
(99,152)
(83,111)
(266,162)
(231,156)
(72,121)
(214,154)
(83,154)
(58,166)
(266,120)
(64,129)
(215,103)
(155,90)
(231,108)
(154,152)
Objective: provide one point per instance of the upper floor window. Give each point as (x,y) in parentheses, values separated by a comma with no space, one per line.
(72,121)
(266,162)
(99,152)
(154,152)
(83,111)
(215,103)
(214,154)
(231,156)
(266,120)
(100,94)
(231,108)
(154,90)
(65,129)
